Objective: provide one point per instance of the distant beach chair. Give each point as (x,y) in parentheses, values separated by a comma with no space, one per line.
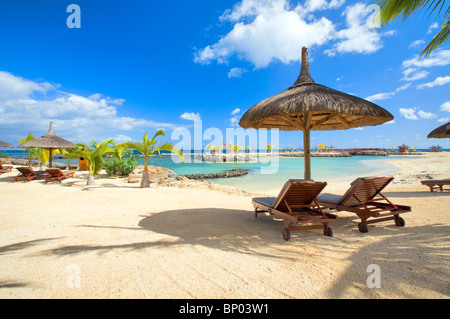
(57,175)
(361,199)
(297,204)
(431,183)
(27,174)
(4,169)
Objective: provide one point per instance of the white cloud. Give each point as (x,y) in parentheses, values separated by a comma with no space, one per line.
(446,106)
(438,58)
(416,43)
(266,31)
(190,116)
(410,114)
(28,106)
(444,119)
(236,72)
(15,87)
(234,120)
(433,26)
(388,95)
(439,81)
(413,74)
(426,115)
(235,111)
(357,37)
(315,5)
(415,114)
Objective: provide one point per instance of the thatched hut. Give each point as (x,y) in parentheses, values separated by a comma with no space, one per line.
(308,106)
(403,148)
(50,141)
(442,131)
(4,144)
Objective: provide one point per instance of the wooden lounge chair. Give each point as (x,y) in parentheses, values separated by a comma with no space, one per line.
(27,174)
(361,199)
(57,175)
(431,183)
(4,169)
(297,204)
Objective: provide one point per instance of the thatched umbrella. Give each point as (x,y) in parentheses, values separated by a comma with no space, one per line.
(308,106)
(50,142)
(442,131)
(4,144)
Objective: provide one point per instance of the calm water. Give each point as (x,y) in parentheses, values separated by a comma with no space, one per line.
(265,174)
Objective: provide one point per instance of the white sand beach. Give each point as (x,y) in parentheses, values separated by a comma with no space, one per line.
(116,240)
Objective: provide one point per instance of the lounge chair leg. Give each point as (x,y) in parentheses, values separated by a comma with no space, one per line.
(286,234)
(363,227)
(399,221)
(327,231)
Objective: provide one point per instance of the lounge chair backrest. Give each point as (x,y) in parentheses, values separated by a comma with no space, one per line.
(364,189)
(54,171)
(26,171)
(298,192)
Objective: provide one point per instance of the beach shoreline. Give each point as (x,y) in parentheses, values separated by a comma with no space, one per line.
(196,239)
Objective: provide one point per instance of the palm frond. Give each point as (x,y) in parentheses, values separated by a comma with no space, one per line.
(390,10)
(439,39)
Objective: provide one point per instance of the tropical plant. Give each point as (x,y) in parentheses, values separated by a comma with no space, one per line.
(123,165)
(94,155)
(147,148)
(390,10)
(71,154)
(32,152)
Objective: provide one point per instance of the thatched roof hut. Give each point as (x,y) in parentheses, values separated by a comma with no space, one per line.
(308,106)
(442,131)
(4,144)
(49,141)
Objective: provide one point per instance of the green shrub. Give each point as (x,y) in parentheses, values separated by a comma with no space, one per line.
(121,167)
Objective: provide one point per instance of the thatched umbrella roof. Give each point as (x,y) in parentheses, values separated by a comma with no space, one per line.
(4,144)
(308,106)
(442,131)
(49,141)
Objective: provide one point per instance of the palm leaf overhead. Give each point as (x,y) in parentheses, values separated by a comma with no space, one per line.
(390,10)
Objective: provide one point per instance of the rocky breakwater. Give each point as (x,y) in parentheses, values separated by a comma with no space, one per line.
(157,175)
(227,174)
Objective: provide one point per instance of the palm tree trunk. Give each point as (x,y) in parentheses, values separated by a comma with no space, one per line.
(91,179)
(145,183)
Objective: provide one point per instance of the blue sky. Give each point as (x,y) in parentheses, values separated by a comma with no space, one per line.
(137,66)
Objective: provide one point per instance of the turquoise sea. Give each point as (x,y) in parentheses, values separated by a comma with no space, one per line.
(265,174)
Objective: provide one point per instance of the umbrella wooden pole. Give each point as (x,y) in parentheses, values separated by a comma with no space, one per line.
(307,145)
(50,160)
(307,154)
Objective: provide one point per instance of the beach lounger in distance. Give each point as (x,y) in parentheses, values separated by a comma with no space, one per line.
(27,174)
(3,169)
(364,198)
(57,175)
(431,183)
(298,206)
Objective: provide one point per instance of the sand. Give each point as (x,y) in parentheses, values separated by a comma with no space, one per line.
(115,240)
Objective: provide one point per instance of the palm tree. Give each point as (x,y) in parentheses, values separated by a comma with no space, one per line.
(32,152)
(94,156)
(392,9)
(147,147)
